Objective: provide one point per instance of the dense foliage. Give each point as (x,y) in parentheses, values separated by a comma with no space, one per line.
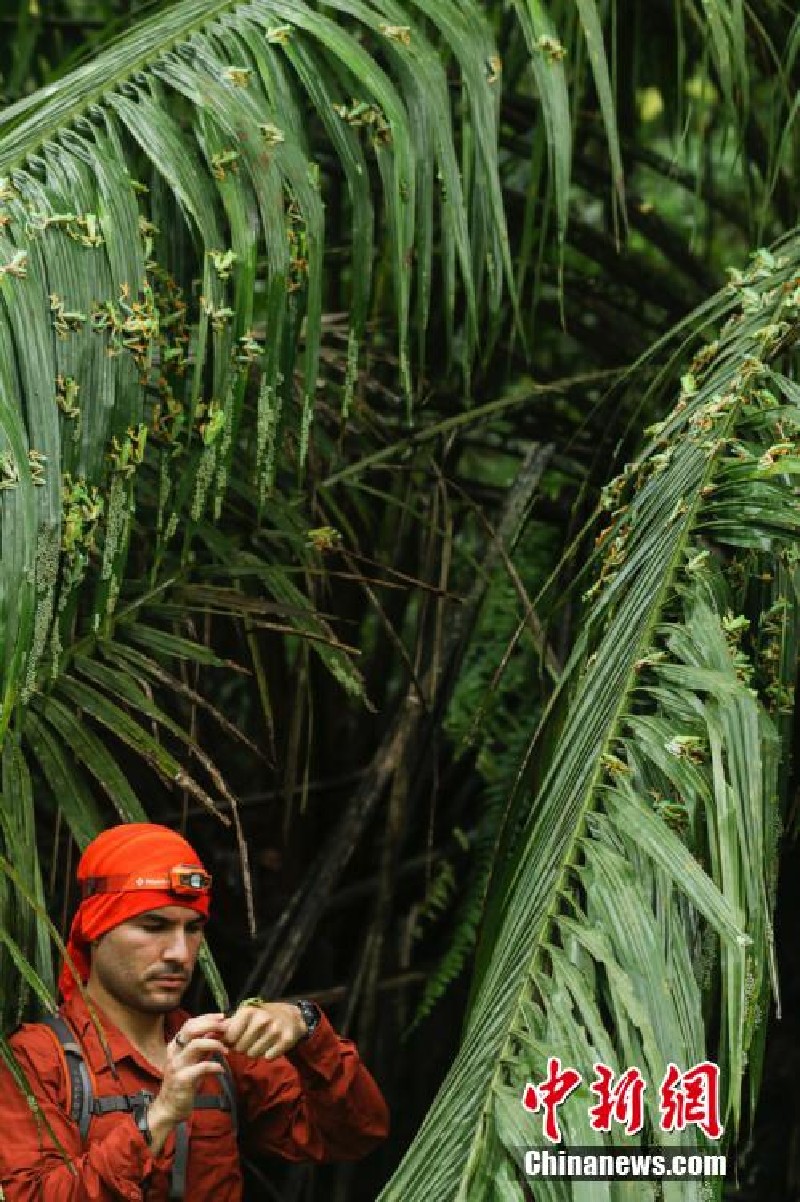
(373,506)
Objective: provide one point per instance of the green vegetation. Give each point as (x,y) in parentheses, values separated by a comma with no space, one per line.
(398,445)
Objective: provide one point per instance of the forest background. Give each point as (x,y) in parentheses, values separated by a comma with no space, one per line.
(398,429)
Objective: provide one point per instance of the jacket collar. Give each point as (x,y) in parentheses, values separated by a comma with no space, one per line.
(118,1047)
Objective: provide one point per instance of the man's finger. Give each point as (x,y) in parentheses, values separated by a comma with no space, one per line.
(280,1049)
(202,1024)
(247,1033)
(235,1027)
(267,1043)
(251,1042)
(201,1045)
(190,1074)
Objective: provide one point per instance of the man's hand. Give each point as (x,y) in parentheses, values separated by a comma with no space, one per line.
(188,1061)
(267,1029)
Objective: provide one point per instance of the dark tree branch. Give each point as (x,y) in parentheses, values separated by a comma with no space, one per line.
(403,744)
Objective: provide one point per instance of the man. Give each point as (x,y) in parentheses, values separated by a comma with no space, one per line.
(166,1088)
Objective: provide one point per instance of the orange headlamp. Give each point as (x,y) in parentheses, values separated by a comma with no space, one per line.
(184,880)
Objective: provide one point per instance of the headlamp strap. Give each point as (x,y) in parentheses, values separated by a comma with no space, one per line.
(183,879)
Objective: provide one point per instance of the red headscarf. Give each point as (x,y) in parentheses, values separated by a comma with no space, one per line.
(140,848)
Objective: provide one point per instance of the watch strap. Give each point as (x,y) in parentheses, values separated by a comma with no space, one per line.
(311,1015)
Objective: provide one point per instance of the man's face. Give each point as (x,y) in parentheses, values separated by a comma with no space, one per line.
(147,962)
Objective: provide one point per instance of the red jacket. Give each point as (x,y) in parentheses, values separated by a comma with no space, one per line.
(316,1103)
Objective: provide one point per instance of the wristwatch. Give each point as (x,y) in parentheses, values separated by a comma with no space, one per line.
(311,1015)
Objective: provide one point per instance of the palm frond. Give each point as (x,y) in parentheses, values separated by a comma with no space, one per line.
(642,875)
(25,941)
(162,203)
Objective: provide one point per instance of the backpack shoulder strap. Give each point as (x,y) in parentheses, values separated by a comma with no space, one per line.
(229,1086)
(222,1101)
(79,1081)
(83,1104)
